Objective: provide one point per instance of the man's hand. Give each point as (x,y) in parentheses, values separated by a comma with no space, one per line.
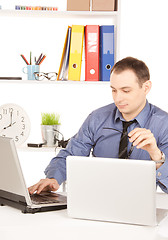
(144,139)
(44,185)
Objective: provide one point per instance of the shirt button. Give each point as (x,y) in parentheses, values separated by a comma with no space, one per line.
(159,174)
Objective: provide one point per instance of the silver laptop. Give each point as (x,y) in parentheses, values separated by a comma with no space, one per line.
(116,190)
(13,190)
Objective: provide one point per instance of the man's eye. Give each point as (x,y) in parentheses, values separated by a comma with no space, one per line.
(126,91)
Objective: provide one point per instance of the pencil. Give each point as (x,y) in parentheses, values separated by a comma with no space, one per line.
(30,58)
(42,59)
(24,59)
(39,59)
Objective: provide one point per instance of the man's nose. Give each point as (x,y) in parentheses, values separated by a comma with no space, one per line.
(118,97)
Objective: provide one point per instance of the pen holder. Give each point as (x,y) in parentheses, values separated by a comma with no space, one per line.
(30,70)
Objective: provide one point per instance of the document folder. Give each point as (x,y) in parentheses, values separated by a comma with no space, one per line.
(92,53)
(106,51)
(76,49)
(63,69)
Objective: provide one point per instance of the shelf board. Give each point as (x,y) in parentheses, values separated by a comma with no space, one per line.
(54,14)
(24,148)
(52,82)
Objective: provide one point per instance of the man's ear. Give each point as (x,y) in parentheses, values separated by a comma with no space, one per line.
(147,86)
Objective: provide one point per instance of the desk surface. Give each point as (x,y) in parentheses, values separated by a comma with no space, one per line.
(57,225)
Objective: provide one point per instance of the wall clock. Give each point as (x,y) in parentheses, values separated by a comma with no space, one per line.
(14,123)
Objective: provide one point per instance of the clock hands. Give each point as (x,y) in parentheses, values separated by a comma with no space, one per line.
(11,124)
(11,113)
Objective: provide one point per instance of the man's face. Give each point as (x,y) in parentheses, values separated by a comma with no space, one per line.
(129,97)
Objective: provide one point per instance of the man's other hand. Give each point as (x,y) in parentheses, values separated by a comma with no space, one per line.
(44,185)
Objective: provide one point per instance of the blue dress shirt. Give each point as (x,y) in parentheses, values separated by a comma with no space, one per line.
(105,142)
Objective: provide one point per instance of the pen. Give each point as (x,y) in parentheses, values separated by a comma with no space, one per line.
(39,59)
(30,58)
(42,59)
(24,59)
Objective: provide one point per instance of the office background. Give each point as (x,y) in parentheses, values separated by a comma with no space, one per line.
(143,34)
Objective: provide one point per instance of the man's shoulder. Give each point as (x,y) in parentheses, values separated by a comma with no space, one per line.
(158,113)
(105,109)
(102,115)
(157,122)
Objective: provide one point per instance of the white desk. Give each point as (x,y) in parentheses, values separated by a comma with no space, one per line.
(57,225)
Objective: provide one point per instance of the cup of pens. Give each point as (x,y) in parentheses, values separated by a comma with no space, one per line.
(31,69)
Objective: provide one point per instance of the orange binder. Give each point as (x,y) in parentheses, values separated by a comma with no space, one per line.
(63,69)
(76,49)
(92,53)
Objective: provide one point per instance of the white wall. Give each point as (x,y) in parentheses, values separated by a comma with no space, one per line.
(144,35)
(72,100)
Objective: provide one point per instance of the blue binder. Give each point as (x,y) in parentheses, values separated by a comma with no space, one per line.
(106,51)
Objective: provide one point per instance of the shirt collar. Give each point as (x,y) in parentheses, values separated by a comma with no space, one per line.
(141,118)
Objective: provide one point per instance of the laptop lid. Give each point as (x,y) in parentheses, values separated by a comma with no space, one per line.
(116,190)
(12,183)
(13,189)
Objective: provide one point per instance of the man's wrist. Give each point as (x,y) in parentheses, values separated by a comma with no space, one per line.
(163,158)
(159,157)
(156,156)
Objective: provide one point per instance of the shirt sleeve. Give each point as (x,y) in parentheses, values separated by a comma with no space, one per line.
(162,176)
(79,145)
(162,172)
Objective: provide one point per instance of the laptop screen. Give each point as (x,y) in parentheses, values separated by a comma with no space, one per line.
(11,177)
(116,190)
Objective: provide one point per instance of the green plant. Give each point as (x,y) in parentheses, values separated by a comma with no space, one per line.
(50,119)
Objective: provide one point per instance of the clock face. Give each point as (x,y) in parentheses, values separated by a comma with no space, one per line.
(14,123)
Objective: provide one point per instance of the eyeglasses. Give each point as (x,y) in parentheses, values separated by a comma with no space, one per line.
(132,147)
(51,76)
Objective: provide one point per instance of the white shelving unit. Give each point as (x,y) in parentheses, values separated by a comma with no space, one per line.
(23,31)
(27,28)
(59,14)
(44,31)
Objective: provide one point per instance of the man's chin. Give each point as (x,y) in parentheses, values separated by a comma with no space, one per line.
(123,108)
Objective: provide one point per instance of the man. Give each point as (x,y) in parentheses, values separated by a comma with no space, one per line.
(103,130)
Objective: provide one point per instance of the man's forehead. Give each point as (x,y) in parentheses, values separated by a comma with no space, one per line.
(126,78)
(123,87)
(126,72)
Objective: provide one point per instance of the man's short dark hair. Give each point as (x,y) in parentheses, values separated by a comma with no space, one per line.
(137,66)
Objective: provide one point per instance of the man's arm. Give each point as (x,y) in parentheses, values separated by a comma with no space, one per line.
(79,145)
(143,139)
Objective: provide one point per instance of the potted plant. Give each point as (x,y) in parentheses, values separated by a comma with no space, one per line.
(50,125)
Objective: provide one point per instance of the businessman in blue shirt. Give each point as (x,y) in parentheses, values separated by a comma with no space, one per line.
(101,131)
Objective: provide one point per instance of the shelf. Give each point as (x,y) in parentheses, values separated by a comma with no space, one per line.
(54,14)
(38,95)
(24,148)
(52,82)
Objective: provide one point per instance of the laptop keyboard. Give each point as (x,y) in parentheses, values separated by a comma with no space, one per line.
(45,198)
